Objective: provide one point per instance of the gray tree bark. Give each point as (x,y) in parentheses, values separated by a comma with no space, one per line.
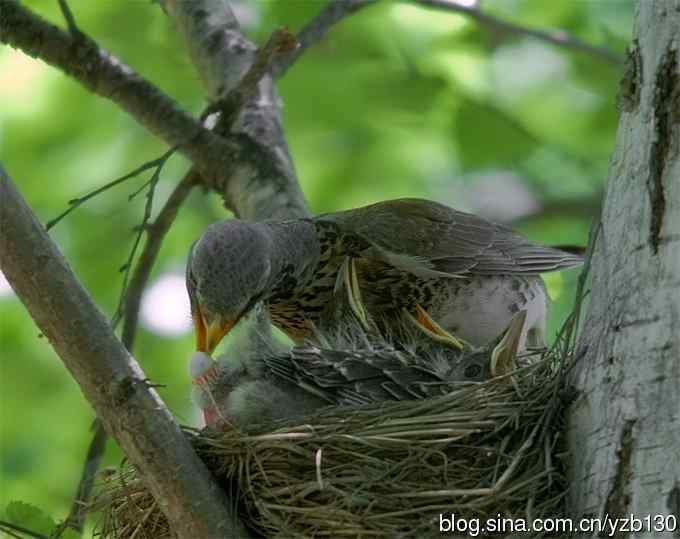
(109,377)
(624,426)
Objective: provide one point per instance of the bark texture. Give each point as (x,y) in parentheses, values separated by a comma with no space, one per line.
(624,428)
(222,56)
(109,377)
(106,76)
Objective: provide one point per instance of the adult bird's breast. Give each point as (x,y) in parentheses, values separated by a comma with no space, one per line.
(298,308)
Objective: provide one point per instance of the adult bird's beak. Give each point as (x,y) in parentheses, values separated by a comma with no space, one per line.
(209,335)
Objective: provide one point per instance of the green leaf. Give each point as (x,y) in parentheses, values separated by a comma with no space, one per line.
(30,517)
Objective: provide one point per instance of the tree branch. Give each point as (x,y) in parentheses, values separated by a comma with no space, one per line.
(556,37)
(155,234)
(109,377)
(70,19)
(336,10)
(223,56)
(75,203)
(106,76)
(231,105)
(130,301)
(129,305)
(252,169)
(95,452)
(317,29)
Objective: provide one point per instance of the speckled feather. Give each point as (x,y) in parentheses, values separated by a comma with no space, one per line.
(257,380)
(428,238)
(383,374)
(469,274)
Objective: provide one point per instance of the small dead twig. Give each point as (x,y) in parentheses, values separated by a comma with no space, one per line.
(317,29)
(281,41)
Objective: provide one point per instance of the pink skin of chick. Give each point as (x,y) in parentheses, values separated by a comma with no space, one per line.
(203,369)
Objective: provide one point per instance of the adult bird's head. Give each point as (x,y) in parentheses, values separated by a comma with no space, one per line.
(228,272)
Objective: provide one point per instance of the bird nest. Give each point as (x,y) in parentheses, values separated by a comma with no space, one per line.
(487,450)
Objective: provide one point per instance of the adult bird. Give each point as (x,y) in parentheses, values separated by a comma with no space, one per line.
(410,256)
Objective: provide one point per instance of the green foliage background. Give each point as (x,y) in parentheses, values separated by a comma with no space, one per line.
(397,101)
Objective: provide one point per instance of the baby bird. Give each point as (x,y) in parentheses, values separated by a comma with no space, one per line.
(259,380)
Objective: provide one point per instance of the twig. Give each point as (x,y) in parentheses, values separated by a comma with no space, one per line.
(97,445)
(336,10)
(556,37)
(105,75)
(109,377)
(70,20)
(95,452)
(316,30)
(581,292)
(262,182)
(155,234)
(280,42)
(9,528)
(77,202)
(148,207)
(131,299)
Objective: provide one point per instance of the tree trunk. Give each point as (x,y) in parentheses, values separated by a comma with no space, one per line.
(624,425)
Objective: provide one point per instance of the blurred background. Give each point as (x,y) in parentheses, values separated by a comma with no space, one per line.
(398,101)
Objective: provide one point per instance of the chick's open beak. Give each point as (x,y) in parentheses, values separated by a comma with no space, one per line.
(208,336)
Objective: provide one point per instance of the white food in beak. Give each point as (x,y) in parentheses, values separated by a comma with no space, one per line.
(199,364)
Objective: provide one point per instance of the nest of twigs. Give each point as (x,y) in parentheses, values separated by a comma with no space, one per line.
(390,470)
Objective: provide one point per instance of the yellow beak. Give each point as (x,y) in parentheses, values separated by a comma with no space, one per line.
(208,336)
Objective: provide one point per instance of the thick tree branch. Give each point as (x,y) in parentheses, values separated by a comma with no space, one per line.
(129,304)
(623,445)
(556,37)
(130,301)
(106,76)
(109,377)
(223,56)
(252,169)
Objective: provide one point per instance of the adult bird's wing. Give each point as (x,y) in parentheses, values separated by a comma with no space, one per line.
(431,239)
